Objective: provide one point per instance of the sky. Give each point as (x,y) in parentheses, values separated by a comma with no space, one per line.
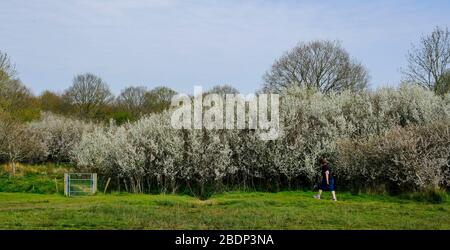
(182,43)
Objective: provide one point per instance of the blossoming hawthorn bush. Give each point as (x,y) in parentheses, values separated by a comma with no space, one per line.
(396,138)
(151,151)
(206,159)
(162,148)
(59,135)
(19,144)
(111,151)
(93,151)
(253,161)
(403,158)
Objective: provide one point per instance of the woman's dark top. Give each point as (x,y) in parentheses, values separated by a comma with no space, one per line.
(324,185)
(325,168)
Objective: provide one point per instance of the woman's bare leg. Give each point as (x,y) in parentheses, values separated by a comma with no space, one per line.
(334,195)
(317,196)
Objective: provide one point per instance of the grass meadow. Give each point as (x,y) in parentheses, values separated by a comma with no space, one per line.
(235,210)
(29,201)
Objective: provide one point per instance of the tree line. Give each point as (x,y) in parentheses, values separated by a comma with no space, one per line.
(321,65)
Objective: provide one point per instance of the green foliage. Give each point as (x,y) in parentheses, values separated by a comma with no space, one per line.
(443,86)
(27,184)
(54,103)
(127,107)
(33,179)
(27,115)
(121,117)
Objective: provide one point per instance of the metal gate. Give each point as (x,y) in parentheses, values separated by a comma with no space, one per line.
(76,184)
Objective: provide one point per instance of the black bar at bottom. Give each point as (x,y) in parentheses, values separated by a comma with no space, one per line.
(223,239)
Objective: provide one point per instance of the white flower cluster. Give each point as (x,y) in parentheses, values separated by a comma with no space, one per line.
(149,154)
(58,135)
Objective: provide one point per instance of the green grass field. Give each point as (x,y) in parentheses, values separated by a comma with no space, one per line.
(29,201)
(283,210)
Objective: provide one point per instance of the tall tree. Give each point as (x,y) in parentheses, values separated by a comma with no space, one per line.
(53,102)
(132,99)
(7,69)
(158,99)
(429,60)
(163,94)
(13,94)
(321,65)
(88,94)
(15,98)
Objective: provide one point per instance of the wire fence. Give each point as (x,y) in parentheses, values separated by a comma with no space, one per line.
(77,184)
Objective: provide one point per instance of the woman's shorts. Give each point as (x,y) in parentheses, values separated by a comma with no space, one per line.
(326,187)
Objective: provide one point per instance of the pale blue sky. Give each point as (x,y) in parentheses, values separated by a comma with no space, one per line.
(185,43)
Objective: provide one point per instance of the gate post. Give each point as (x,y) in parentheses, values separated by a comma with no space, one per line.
(94,183)
(66,184)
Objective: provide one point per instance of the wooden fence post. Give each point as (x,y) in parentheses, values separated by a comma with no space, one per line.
(107,184)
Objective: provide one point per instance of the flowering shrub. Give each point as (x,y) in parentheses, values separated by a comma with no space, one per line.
(59,135)
(398,138)
(410,158)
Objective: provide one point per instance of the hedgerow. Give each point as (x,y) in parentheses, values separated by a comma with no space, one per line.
(392,138)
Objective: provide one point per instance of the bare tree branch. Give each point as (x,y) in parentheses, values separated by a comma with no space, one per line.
(322,65)
(88,93)
(428,61)
(132,99)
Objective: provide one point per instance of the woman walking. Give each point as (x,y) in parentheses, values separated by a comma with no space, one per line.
(327,183)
